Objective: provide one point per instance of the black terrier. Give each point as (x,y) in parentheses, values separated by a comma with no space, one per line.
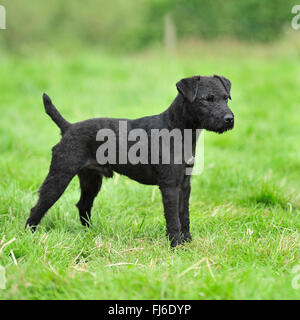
(201,103)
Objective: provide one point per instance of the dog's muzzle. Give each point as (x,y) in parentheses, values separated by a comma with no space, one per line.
(228,123)
(229,119)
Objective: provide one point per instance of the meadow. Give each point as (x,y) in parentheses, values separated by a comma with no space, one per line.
(244,207)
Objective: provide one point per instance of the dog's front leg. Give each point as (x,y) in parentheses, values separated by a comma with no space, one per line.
(170,196)
(184,214)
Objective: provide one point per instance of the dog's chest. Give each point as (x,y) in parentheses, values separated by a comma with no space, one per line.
(145,174)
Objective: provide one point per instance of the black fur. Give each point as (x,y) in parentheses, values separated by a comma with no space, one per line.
(200,104)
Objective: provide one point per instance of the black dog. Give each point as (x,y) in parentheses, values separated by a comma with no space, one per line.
(200,104)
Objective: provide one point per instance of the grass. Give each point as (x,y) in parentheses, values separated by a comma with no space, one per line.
(244,207)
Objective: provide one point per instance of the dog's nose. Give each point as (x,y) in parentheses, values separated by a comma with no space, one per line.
(228,118)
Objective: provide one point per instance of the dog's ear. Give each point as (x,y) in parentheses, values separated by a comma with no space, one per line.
(226,83)
(188,87)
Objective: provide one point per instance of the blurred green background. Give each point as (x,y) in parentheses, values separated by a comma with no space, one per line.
(132,25)
(122,58)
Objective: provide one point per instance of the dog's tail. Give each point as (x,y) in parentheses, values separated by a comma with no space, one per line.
(55,115)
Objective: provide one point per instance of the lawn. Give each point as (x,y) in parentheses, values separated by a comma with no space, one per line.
(244,207)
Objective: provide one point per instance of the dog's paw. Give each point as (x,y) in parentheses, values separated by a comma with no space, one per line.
(187,237)
(31,226)
(176,240)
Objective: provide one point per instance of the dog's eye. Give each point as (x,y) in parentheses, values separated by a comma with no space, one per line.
(210,98)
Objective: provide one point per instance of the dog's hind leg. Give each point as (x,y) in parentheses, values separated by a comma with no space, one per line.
(62,169)
(90,184)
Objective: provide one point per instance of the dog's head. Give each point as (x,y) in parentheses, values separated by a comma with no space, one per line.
(207,102)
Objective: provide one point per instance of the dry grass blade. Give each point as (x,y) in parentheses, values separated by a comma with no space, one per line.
(6,244)
(123,264)
(196,265)
(13,257)
(191,268)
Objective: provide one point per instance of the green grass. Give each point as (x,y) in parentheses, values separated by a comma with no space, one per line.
(244,207)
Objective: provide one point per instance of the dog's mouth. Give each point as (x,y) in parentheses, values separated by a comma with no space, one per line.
(225,128)
(221,129)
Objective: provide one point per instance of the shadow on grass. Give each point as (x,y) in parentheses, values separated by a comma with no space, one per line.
(270,195)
